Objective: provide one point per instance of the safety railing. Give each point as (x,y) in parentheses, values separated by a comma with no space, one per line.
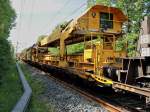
(23,102)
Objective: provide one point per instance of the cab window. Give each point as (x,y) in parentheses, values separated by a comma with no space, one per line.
(106,20)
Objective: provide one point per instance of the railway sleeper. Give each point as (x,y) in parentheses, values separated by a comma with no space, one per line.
(67,74)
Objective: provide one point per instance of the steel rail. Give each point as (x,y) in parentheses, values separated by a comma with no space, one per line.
(141,91)
(115,107)
(105,101)
(23,102)
(133,89)
(90,97)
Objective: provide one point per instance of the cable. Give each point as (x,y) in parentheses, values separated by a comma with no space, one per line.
(57,13)
(30,17)
(20,19)
(73,12)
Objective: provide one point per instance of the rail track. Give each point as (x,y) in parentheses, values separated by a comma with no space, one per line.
(105,101)
(111,101)
(108,106)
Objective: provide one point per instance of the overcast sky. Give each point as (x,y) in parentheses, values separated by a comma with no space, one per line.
(39,17)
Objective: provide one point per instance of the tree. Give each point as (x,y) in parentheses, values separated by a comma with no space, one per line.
(141,9)
(134,19)
(7,17)
(135,10)
(102,2)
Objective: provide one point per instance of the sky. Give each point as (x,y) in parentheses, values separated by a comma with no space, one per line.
(39,17)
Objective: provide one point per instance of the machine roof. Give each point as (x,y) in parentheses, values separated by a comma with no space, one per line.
(54,38)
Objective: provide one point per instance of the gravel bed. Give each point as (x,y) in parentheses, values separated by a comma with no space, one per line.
(63,99)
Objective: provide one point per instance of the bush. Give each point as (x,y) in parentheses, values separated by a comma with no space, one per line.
(6,56)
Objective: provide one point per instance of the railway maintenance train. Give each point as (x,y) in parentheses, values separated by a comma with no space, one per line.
(100,63)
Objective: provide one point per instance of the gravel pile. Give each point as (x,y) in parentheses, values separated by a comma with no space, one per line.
(64,100)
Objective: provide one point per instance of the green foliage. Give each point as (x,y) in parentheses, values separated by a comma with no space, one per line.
(75,48)
(6,56)
(120,44)
(37,104)
(10,89)
(79,47)
(90,3)
(129,39)
(102,2)
(54,51)
(71,49)
(134,19)
(135,10)
(134,16)
(7,16)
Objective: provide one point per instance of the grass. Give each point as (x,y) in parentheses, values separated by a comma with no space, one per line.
(10,89)
(37,103)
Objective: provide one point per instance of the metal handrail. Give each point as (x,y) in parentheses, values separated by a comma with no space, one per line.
(23,102)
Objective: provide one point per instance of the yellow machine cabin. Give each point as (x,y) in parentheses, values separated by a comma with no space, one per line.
(97,19)
(98,22)
(102,19)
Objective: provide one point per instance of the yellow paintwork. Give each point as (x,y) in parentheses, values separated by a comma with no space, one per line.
(102,80)
(87,26)
(87,54)
(44,41)
(87,23)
